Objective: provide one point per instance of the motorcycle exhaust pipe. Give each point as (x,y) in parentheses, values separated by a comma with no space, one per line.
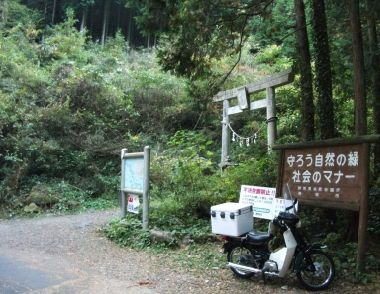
(250,269)
(244,268)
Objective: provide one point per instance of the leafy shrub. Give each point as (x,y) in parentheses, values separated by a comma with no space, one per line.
(66,109)
(185,184)
(127,232)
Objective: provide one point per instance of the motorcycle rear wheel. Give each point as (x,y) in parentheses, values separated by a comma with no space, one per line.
(241,255)
(317,270)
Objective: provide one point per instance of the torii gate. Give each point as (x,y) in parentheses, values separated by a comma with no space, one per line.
(242,94)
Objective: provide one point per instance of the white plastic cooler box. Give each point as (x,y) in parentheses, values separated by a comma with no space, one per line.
(231,219)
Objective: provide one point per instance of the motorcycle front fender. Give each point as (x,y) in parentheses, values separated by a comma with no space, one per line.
(298,261)
(301,255)
(316,246)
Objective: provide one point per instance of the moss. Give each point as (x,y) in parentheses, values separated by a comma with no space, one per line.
(42,195)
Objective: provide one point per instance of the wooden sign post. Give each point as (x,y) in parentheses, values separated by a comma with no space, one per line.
(135,180)
(330,173)
(242,95)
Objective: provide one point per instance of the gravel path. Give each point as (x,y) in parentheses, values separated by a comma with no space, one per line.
(66,254)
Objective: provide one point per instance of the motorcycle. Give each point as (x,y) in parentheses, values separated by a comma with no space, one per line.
(252,254)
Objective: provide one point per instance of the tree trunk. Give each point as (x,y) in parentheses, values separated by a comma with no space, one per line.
(105,21)
(305,71)
(45,11)
(323,83)
(323,71)
(53,12)
(84,19)
(3,11)
(360,93)
(119,12)
(374,71)
(129,35)
(358,64)
(148,41)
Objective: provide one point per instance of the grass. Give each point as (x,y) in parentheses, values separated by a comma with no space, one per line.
(63,207)
(195,257)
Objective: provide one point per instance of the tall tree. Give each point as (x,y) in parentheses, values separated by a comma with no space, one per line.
(106,12)
(374,72)
(197,32)
(325,107)
(129,29)
(305,72)
(360,104)
(359,74)
(3,9)
(84,18)
(83,7)
(53,11)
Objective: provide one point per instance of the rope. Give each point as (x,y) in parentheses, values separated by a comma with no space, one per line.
(248,140)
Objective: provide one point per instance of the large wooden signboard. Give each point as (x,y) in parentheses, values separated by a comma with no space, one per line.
(330,173)
(326,176)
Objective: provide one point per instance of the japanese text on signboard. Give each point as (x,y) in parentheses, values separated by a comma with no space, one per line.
(265,204)
(330,173)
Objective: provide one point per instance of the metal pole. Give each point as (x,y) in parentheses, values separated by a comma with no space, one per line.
(145,223)
(225,134)
(123,202)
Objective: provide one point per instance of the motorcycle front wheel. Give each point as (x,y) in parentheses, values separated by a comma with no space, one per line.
(316,271)
(241,255)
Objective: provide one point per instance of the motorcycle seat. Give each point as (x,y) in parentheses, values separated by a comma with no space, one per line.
(259,237)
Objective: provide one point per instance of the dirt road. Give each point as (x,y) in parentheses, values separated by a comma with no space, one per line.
(66,254)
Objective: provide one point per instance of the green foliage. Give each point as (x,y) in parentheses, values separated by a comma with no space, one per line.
(197,257)
(191,144)
(186,184)
(67,108)
(127,232)
(62,197)
(345,257)
(14,14)
(68,105)
(58,43)
(374,206)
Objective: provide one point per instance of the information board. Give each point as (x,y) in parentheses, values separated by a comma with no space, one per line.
(332,176)
(135,182)
(332,173)
(134,173)
(263,200)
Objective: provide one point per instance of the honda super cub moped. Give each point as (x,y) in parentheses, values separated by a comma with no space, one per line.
(250,254)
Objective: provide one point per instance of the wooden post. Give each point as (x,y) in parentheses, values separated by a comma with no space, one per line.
(145,223)
(271,116)
(123,202)
(225,134)
(363,214)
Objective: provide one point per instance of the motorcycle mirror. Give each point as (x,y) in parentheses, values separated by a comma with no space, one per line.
(288,196)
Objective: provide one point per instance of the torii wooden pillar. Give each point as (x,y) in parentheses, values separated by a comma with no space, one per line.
(242,94)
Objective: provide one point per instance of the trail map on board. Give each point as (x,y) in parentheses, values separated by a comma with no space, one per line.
(134,173)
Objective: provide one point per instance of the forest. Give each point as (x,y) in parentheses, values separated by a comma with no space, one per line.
(81,80)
